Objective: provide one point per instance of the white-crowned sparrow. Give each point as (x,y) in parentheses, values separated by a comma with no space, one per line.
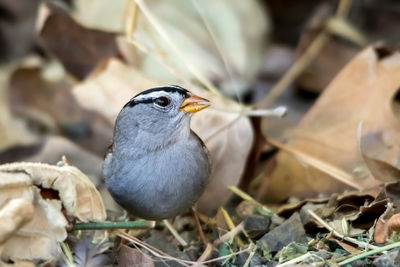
(158,166)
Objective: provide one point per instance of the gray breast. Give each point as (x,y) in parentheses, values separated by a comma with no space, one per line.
(161,184)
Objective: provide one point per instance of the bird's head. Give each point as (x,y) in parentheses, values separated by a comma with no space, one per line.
(161,111)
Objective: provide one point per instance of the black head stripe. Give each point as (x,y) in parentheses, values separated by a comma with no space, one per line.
(168,89)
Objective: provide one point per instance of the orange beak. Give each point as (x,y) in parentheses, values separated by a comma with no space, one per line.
(194,104)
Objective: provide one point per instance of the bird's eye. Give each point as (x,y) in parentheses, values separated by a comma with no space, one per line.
(162,101)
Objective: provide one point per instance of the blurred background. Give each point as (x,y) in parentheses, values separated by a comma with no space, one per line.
(67,68)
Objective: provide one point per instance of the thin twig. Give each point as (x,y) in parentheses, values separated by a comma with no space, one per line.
(251,255)
(231,225)
(199,229)
(175,233)
(206,253)
(369,253)
(337,234)
(276,112)
(138,224)
(229,235)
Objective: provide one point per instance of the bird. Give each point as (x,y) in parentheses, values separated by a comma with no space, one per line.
(157,167)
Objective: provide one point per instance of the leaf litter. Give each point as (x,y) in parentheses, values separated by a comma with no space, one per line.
(327,187)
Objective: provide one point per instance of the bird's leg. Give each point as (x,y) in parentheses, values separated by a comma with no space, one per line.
(175,233)
(201,233)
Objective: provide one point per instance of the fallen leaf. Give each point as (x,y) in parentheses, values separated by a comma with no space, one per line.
(380,170)
(36,224)
(79,49)
(133,257)
(13,215)
(77,193)
(363,91)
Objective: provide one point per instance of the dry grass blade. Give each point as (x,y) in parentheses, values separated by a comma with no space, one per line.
(175,234)
(131,19)
(229,235)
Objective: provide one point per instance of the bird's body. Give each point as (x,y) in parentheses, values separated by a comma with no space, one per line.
(158,167)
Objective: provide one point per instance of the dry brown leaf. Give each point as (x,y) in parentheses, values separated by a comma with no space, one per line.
(394,223)
(37,223)
(346,246)
(228,134)
(133,257)
(362,91)
(380,170)
(79,49)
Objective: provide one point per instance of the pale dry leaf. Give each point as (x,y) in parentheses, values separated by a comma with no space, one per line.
(39,236)
(13,216)
(202,31)
(226,132)
(77,193)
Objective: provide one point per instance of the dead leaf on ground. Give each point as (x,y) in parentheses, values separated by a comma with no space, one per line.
(227,134)
(38,237)
(133,257)
(79,49)
(362,91)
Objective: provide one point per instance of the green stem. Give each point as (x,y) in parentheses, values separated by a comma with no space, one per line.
(138,224)
(371,252)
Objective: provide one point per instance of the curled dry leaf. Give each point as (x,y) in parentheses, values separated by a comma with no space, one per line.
(77,193)
(227,134)
(36,221)
(362,91)
(13,216)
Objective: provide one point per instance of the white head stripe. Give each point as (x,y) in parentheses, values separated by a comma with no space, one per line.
(151,95)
